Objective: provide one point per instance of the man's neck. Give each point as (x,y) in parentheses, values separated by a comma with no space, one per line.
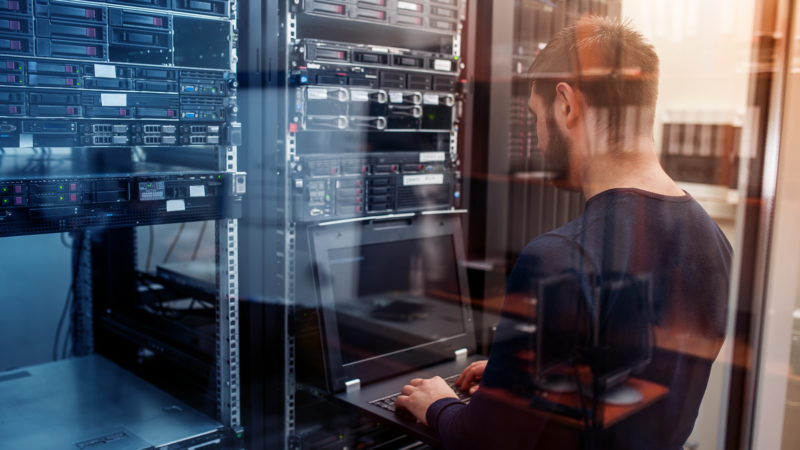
(637,168)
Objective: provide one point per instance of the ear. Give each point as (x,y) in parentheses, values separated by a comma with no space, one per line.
(569,104)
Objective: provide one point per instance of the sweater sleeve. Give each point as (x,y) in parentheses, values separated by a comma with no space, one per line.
(489,422)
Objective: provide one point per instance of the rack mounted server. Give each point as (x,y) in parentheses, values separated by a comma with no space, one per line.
(116,74)
(72,198)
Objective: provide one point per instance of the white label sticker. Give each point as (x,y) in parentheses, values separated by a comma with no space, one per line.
(409,6)
(359,96)
(430,99)
(396,97)
(105,71)
(114,99)
(197,191)
(317,94)
(420,180)
(443,64)
(431,156)
(176,205)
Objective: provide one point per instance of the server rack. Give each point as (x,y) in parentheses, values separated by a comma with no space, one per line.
(115,115)
(360,106)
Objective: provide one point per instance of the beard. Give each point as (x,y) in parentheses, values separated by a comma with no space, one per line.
(556,154)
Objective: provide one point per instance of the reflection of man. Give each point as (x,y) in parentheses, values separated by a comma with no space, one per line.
(594,94)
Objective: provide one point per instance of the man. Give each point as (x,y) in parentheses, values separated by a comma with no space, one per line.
(594,90)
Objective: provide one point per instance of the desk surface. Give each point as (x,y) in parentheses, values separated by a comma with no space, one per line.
(611,414)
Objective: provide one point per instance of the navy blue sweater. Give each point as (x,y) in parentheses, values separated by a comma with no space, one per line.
(687,259)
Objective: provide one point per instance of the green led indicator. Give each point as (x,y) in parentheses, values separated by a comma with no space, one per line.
(61,197)
(5,201)
(5,189)
(239,435)
(327,197)
(61,188)
(219,176)
(455,58)
(213,89)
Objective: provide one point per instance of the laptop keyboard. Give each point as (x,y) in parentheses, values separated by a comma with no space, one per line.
(388,401)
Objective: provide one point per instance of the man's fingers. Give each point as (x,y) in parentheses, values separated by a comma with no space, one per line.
(460,378)
(416,381)
(473,389)
(401,401)
(408,390)
(469,376)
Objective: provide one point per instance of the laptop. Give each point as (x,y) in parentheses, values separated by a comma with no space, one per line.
(394,306)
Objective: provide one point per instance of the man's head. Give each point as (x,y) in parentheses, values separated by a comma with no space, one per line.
(594,90)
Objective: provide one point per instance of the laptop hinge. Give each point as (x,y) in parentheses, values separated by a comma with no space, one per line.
(353,385)
(460,354)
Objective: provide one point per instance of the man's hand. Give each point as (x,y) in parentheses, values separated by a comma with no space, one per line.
(471,376)
(420,394)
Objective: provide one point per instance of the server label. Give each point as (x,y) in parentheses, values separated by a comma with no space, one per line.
(420,180)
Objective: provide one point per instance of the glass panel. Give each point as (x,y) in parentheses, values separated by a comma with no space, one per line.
(464,223)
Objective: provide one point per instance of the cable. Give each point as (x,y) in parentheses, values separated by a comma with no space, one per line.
(69,301)
(199,240)
(61,322)
(64,241)
(174,242)
(149,250)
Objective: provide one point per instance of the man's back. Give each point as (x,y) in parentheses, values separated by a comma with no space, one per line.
(669,240)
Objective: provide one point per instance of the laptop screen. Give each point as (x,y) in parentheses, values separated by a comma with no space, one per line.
(394,296)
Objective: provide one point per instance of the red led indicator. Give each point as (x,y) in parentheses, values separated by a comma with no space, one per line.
(89,13)
(339,9)
(68,69)
(16,45)
(70,111)
(170,113)
(333,170)
(157,21)
(91,32)
(12,110)
(73,187)
(14,25)
(10,65)
(73,197)
(358,209)
(17,200)
(359,182)
(13,6)
(18,189)
(123,112)
(69,81)
(292,127)
(91,51)
(11,78)
(358,199)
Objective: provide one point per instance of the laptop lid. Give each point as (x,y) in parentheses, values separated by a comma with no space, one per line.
(393,296)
